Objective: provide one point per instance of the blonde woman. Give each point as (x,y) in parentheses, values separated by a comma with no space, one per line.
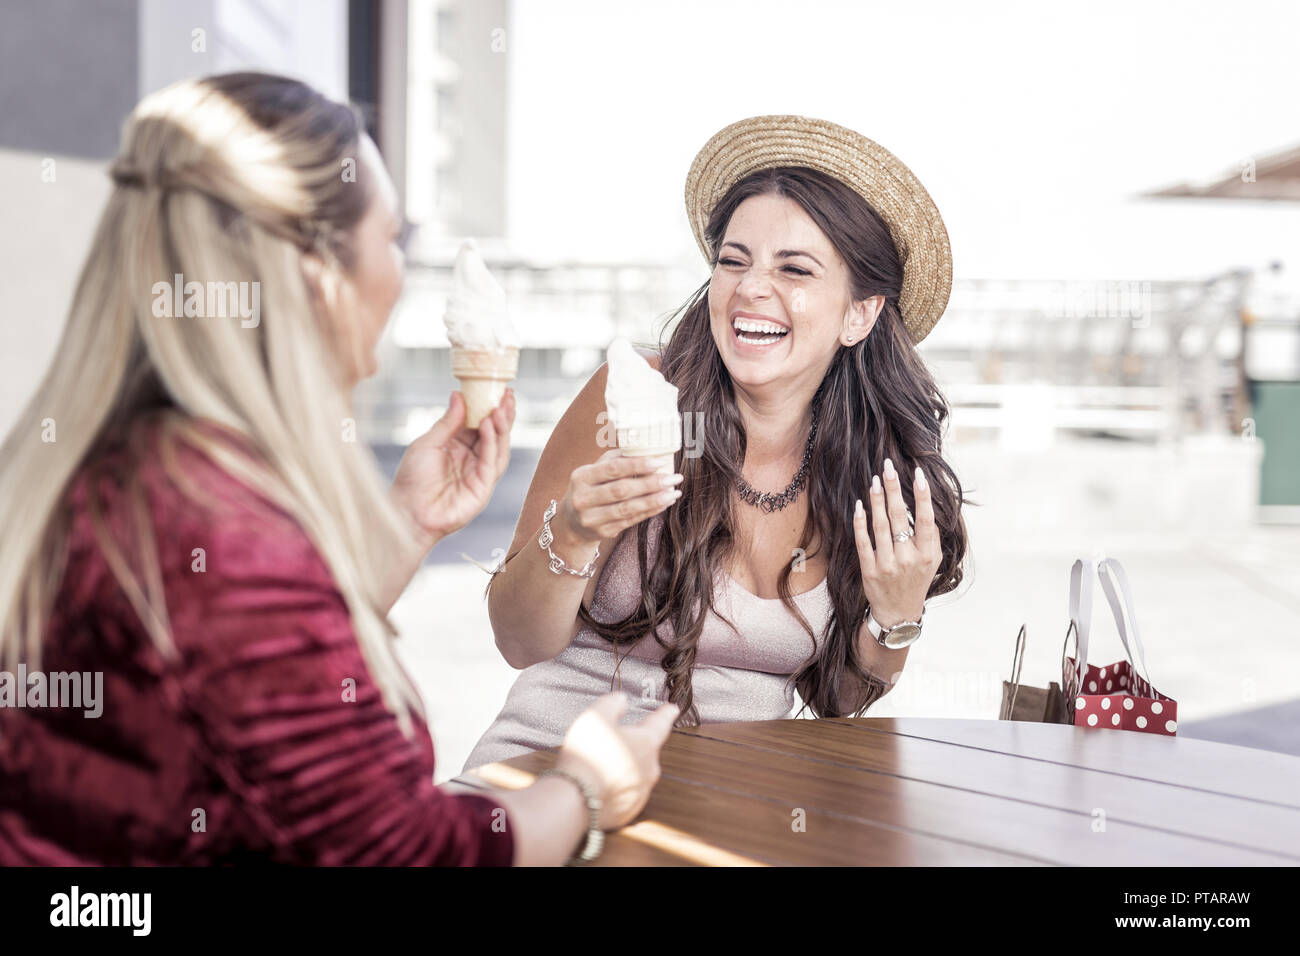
(187,519)
(811,517)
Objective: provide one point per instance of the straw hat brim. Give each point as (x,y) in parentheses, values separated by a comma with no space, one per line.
(876,174)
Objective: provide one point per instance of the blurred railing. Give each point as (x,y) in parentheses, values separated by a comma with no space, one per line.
(1143,360)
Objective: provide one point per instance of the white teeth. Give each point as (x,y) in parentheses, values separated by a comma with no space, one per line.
(767,340)
(752,325)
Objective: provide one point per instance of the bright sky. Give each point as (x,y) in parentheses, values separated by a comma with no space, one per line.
(1031,125)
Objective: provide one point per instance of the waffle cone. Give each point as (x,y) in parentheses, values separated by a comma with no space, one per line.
(483,375)
(650,440)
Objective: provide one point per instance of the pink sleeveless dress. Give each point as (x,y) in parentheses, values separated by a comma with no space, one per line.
(739,675)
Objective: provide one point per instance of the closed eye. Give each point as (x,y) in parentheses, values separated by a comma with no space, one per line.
(794,269)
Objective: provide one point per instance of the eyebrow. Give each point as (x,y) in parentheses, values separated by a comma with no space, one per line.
(782,254)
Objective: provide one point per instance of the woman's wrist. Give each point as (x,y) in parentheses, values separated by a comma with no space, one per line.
(421,537)
(875,657)
(566,542)
(401,566)
(571,790)
(889,617)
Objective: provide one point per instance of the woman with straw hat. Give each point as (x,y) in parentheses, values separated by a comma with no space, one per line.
(816,516)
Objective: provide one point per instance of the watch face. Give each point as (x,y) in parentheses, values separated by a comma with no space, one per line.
(902,635)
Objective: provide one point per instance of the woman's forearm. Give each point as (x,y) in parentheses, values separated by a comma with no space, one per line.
(883,666)
(402,565)
(548,820)
(533,610)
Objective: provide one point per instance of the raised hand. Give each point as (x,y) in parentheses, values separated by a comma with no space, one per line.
(898,570)
(613,493)
(447,474)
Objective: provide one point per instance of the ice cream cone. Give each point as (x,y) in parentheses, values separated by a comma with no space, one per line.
(641,405)
(483,375)
(652,440)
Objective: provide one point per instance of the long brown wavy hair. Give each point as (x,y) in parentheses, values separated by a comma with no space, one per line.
(877,400)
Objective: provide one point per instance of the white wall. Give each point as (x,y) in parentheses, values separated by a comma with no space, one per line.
(47,226)
(45,234)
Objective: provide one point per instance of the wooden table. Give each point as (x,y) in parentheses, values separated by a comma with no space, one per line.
(926,791)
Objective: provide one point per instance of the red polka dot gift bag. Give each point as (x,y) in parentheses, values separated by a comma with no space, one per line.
(1116,695)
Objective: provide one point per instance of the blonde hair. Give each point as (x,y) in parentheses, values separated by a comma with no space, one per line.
(237,176)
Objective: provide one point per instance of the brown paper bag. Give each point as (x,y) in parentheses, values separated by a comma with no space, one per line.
(1044,705)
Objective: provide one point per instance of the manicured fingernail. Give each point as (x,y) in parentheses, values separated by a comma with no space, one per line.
(857,508)
(668,497)
(889,469)
(875,484)
(669,480)
(920,478)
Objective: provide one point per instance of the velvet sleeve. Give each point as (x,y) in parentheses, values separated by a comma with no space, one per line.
(273,677)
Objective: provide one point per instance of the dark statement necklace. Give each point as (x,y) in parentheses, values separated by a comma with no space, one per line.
(769,501)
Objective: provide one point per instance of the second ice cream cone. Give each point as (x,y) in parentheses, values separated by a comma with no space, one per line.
(483,375)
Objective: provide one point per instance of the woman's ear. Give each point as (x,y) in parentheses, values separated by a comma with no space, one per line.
(322,282)
(334,300)
(859,319)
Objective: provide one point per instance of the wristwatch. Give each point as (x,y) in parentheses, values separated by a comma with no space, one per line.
(900,635)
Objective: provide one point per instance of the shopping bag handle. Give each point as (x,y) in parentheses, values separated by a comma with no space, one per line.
(1110,571)
(1016,662)
(1070,688)
(1081,576)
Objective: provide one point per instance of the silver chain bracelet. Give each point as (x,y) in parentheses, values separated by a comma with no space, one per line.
(545,539)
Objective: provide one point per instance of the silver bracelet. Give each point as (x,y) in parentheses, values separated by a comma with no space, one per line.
(595,835)
(558,566)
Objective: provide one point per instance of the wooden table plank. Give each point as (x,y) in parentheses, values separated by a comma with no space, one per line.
(811,776)
(917,791)
(702,827)
(1197,814)
(1218,768)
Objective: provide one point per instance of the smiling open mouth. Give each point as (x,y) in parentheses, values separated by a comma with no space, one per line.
(755,332)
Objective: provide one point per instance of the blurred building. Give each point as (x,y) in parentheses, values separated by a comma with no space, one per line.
(1269,308)
(458,54)
(431,78)
(1025,364)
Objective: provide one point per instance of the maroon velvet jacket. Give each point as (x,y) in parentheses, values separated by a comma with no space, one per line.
(250,726)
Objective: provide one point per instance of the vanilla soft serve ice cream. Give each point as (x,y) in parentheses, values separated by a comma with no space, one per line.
(477,316)
(484,343)
(641,404)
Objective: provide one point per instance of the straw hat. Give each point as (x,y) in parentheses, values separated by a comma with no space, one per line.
(875,173)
